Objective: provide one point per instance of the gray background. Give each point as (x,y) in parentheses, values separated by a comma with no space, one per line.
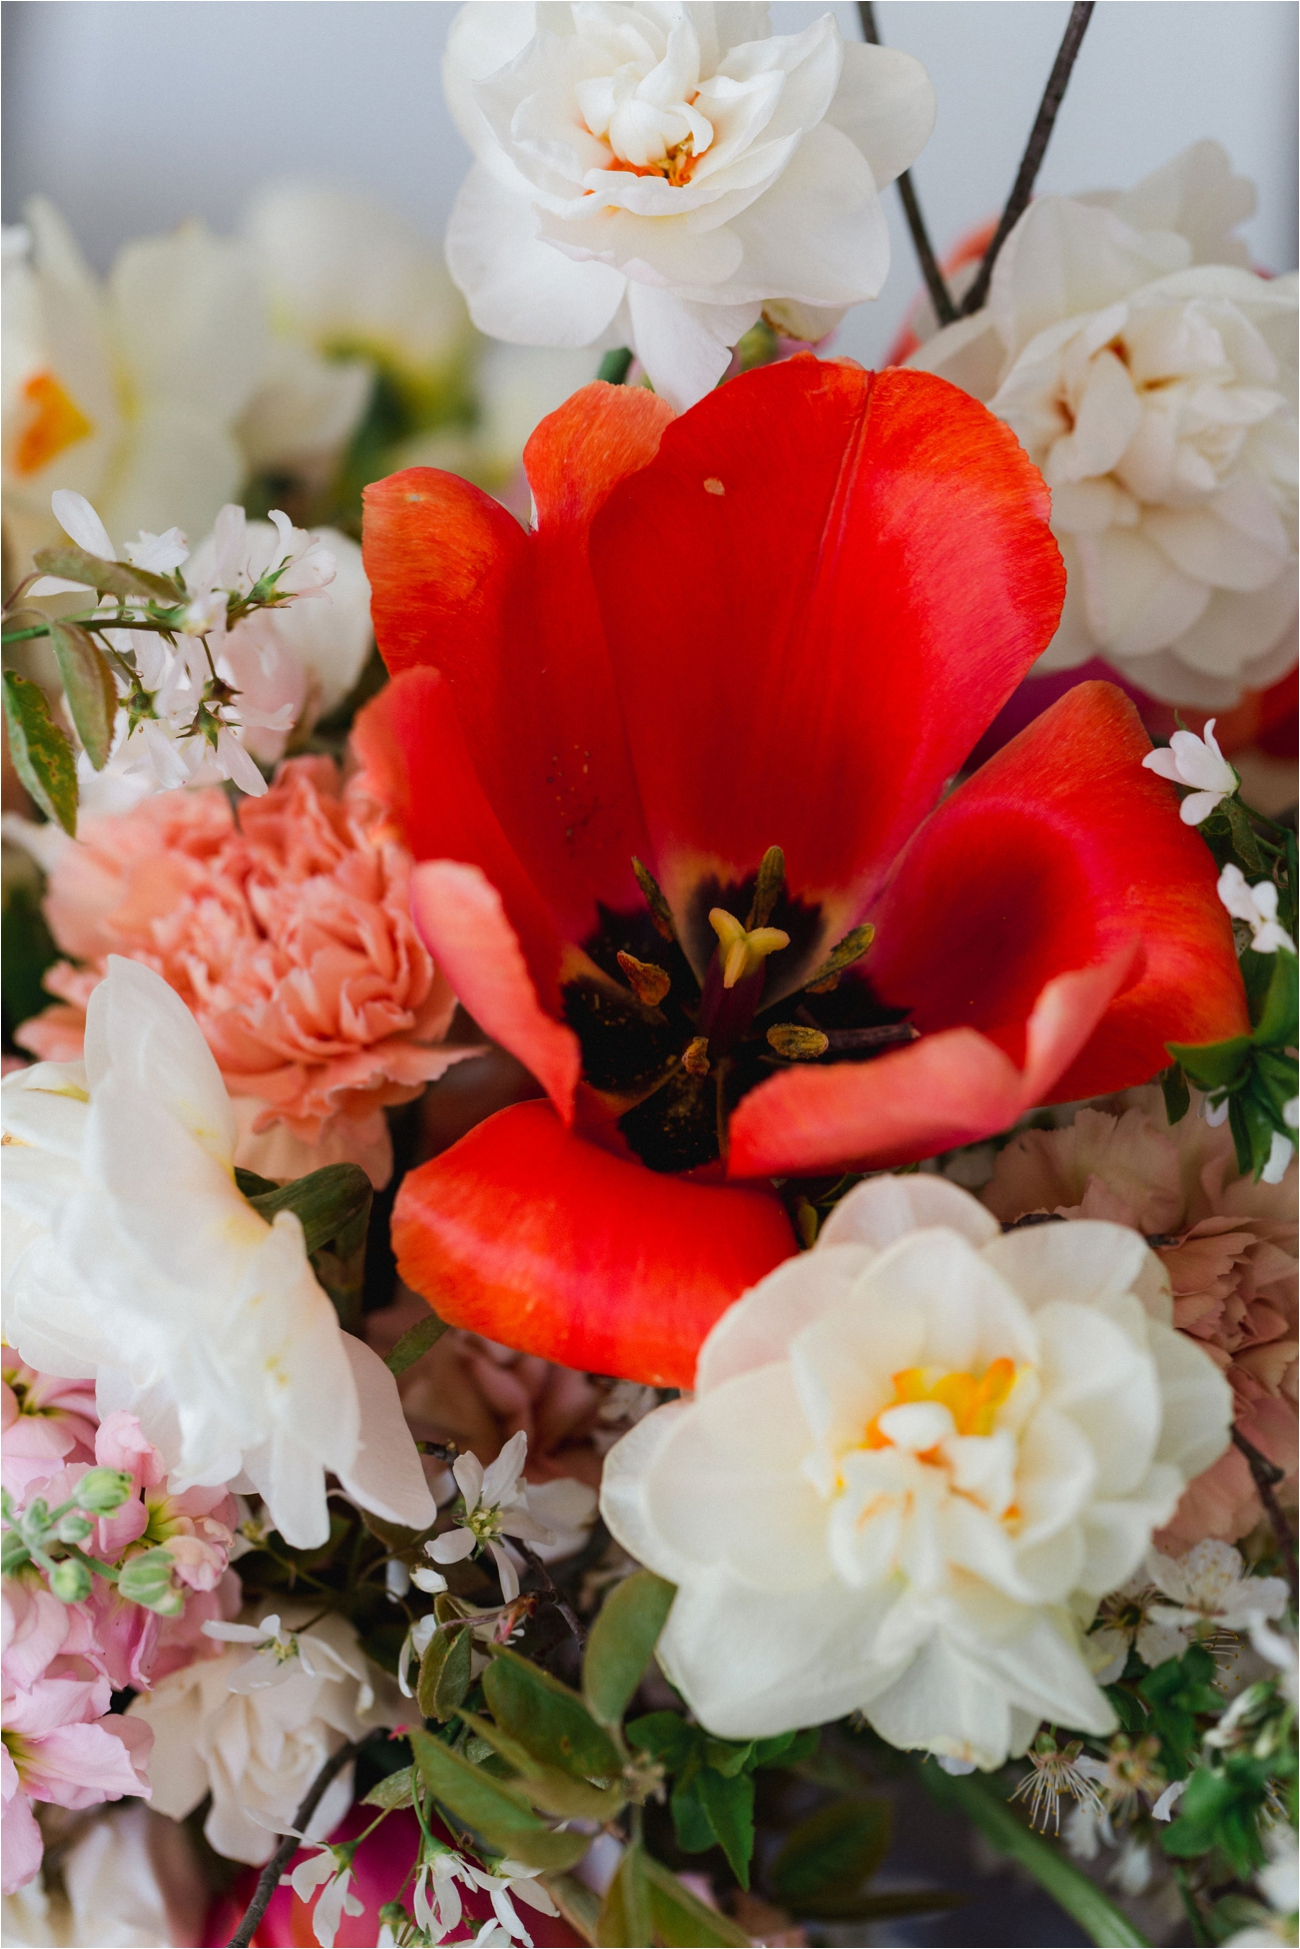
(133,114)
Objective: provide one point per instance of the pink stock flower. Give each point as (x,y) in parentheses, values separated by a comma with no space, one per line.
(47,1424)
(287,932)
(62,1745)
(1229,1246)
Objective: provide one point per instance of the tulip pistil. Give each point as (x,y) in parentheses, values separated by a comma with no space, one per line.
(743,949)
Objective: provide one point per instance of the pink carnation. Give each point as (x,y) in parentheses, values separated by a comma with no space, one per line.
(287,931)
(47,1424)
(1229,1246)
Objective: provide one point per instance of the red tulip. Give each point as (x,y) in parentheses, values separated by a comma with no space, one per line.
(782,620)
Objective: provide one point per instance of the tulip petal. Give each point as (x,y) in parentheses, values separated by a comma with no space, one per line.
(510,619)
(820,591)
(535,1237)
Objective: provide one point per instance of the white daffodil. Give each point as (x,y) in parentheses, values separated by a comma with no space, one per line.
(1199,763)
(657,175)
(1152,378)
(330,1871)
(495,1504)
(256,1748)
(1207,1589)
(132,1257)
(1257,906)
(127,391)
(917,1458)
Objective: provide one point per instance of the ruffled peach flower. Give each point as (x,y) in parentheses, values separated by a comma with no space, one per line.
(286,929)
(1230,1249)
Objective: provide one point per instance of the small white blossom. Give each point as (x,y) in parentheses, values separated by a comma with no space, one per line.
(1207,1587)
(1257,906)
(1197,762)
(330,1872)
(278,1649)
(1127,1618)
(496,1504)
(437,1904)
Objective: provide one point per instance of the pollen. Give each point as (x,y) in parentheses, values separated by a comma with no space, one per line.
(714,486)
(972,1400)
(743,949)
(57,422)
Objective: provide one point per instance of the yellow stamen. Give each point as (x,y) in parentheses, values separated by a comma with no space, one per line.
(798,1044)
(58,423)
(972,1400)
(696,1058)
(743,949)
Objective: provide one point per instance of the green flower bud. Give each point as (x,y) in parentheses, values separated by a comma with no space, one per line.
(147,1580)
(70,1581)
(103,1490)
(73,1528)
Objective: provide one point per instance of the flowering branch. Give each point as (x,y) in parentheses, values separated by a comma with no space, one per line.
(269,1879)
(1036,148)
(940,297)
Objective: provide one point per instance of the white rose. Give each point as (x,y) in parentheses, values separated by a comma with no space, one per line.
(1156,390)
(131,1256)
(256,1746)
(655,175)
(916,1459)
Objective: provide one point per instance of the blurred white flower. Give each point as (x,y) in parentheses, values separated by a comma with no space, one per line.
(1155,385)
(128,391)
(131,1257)
(130,1879)
(1208,1587)
(1257,906)
(1197,762)
(495,1504)
(917,1457)
(256,1748)
(656,175)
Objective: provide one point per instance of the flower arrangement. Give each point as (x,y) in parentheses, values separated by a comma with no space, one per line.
(650,1090)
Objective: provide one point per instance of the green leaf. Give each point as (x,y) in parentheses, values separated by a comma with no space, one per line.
(682,1919)
(1214,1065)
(42,755)
(549,1720)
(691,1823)
(88,686)
(624,1921)
(1221,1810)
(394,1790)
(729,1804)
(1177,1691)
(728,1756)
(579,1905)
(826,1858)
(445,1673)
(492,1809)
(981,1800)
(251,1184)
(548,1787)
(622,1643)
(1178,1099)
(1276,1027)
(415,1341)
(109,578)
(665,1736)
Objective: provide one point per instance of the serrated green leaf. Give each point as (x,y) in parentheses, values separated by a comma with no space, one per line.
(622,1642)
(547,1718)
(691,1823)
(625,1921)
(548,1787)
(88,686)
(42,755)
(728,1756)
(682,1919)
(445,1673)
(729,1804)
(828,1856)
(492,1808)
(394,1790)
(74,564)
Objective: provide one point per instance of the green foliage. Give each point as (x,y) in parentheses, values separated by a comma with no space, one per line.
(109,578)
(445,1672)
(547,1718)
(1221,1809)
(42,755)
(493,1809)
(1254,1074)
(88,686)
(622,1643)
(646,1903)
(333,1205)
(713,1787)
(1177,1692)
(416,1341)
(825,1859)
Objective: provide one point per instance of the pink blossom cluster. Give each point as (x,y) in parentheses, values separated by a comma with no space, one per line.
(62,1662)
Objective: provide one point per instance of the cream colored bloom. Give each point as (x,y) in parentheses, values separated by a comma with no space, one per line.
(131,1257)
(655,175)
(1153,379)
(916,1459)
(257,1747)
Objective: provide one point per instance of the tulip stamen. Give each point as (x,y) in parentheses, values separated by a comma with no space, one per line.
(648,982)
(842,956)
(695,1058)
(660,911)
(768,887)
(743,949)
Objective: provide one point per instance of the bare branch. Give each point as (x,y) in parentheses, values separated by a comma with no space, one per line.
(940,297)
(269,1879)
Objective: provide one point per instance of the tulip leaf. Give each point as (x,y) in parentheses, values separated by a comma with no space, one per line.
(548,1787)
(74,564)
(681,1919)
(549,1720)
(624,1921)
(394,1790)
(622,1643)
(826,1858)
(42,755)
(416,1341)
(445,1673)
(492,1808)
(88,686)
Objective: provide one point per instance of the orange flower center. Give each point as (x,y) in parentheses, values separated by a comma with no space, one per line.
(972,1400)
(57,422)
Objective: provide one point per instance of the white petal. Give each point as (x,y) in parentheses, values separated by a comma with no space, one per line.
(386,1475)
(78,519)
(885,1209)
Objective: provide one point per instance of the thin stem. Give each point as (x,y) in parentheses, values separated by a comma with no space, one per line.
(1266,1476)
(22,635)
(269,1879)
(940,296)
(1035,149)
(540,1570)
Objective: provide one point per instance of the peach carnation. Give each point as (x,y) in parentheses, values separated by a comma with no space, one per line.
(286,929)
(1229,1246)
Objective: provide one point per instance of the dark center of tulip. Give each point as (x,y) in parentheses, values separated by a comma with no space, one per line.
(673,1056)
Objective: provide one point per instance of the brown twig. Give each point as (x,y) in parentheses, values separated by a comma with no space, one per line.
(940,296)
(540,1570)
(1266,1476)
(1035,149)
(269,1879)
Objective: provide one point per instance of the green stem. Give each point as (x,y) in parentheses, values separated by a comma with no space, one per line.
(615,366)
(1193,1913)
(22,635)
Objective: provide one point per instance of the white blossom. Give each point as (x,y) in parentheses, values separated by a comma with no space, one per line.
(436,1902)
(131,1256)
(1257,906)
(495,1504)
(1207,1587)
(656,175)
(1197,762)
(1130,1618)
(329,1873)
(1151,376)
(916,1457)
